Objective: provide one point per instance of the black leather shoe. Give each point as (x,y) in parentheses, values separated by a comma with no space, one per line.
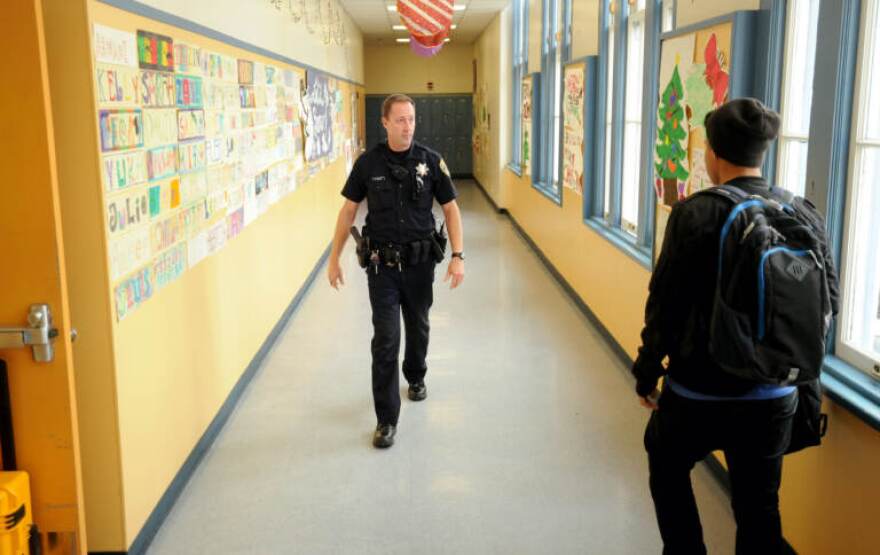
(384,436)
(417,391)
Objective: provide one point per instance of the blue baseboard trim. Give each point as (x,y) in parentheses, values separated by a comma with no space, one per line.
(166,502)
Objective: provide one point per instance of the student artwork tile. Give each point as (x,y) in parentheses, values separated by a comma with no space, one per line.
(694,79)
(190,124)
(121,171)
(273,75)
(319,112)
(169,266)
(162,162)
(245,72)
(116,47)
(191,156)
(121,129)
(215,151)
(193,187)
(128,252)
(247,97)
(573,131)
(234,223)
(127,210)
(526,115)
(133,292)
(165,233)
(117,85)
(220,67)
(189,91)
(155,51)
(157,90)
(160,127)
(188,59)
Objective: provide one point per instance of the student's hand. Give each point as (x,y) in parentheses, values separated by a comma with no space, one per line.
(334,274)
(650,401)
(455,271)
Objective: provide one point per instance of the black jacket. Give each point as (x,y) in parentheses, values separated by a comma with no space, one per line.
(681,292)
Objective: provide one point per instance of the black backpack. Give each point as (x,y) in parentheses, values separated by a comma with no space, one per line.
(772,306)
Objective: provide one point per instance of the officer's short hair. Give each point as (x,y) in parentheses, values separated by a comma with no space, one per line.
(394,99)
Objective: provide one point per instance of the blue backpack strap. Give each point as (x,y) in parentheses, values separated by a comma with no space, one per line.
(730,192)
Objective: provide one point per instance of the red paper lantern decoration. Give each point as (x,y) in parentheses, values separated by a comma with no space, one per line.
(426,20)
(432,41)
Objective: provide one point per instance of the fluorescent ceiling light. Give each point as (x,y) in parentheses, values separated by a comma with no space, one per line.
(402,40)
(399,27)
(446,40)
(392,8)
(454,26)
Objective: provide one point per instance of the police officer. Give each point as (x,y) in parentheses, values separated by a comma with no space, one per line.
(400,180)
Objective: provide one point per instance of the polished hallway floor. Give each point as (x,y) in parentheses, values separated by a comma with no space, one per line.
(530,440)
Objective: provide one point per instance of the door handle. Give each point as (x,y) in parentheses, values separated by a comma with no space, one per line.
(38,335)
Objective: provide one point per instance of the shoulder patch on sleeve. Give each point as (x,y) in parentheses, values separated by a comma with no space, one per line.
(444,169)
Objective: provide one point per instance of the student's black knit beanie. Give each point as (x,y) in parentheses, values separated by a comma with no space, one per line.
(740,131)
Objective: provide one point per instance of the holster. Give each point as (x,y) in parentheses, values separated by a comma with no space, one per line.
(438,243)
(362,246)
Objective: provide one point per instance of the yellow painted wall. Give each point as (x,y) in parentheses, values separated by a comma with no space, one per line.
(150,385)
(828,493)
(489,48)
(395,68)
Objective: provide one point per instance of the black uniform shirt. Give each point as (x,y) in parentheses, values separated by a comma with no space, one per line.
(399,206)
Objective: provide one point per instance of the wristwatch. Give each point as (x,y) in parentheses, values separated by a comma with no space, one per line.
(459,255)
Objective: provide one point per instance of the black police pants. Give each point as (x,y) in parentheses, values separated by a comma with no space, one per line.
(753,436)
(409,290)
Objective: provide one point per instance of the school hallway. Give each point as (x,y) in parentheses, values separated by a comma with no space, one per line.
(530,440)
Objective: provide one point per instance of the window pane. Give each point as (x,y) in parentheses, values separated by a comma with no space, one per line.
(861,329)
(633,127)
(797,93)
(668,15)
(609,110)
(793,165)
(557,97)
(871,76)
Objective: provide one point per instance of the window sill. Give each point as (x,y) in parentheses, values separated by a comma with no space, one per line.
(515,168)
(546,190)
(622,240)
(853,389)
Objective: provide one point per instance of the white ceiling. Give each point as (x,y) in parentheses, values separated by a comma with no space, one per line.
(375,21)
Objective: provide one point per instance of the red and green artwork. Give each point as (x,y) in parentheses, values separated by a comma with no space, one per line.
(671,151)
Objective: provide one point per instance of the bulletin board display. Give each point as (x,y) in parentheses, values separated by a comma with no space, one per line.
(195,145)
(694,79)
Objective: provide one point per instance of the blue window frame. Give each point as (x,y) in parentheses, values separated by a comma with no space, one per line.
(555,46)
(520,50)
(840,137)
(621,203)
